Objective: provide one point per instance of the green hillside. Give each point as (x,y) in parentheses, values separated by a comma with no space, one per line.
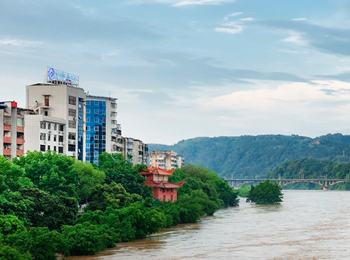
(250,156)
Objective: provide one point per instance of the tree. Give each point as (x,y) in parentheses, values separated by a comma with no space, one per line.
(266,193)
(111,195)
(87,179)
(121,171)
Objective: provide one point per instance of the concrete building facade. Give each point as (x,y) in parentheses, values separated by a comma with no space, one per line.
(56,104)
(11,130)
(166,160)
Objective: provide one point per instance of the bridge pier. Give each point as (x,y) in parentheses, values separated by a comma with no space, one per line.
(325,188)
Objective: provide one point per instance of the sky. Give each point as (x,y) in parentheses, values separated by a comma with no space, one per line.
(187,68)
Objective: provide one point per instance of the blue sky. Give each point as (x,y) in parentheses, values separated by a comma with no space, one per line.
(187,68)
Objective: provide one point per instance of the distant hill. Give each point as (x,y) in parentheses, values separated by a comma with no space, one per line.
(250,156)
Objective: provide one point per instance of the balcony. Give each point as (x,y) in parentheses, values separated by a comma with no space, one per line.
(7,151)
(20,129)
(19,152)
(20,141)
(7,140)
(7,127)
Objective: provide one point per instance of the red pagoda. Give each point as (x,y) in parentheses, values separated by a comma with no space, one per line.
(157,178)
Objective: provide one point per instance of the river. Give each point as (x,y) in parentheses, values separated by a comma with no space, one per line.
(307,225)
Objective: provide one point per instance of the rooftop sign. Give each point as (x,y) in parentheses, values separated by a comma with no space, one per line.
(53,75)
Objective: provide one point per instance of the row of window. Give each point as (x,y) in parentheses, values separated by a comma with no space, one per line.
(43,137)
(96,120)
(43,148)
(95,146)
(47,125)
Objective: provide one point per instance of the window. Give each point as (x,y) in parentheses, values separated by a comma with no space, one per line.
(88,119)
(72,112)
(72,100)
(88,128)
(55,138)
(42,124)
(19,121)
(48,125)
(96,120)
(48,137)
(72,136)
(60,138)
(47,100)
(96,111)
(61,127)
(88,111)
(96,137)
(96,103)
(71,147)
(72,124)
(42,148)
(87,145)
(96,128)
(54,148)
(55,127)
(42,136)
(48,147)
(60,149)
(95,145)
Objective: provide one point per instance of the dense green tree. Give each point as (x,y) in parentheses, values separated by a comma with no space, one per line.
(121,171)
(87,179)
(265,193)
(111,195)
(45,210)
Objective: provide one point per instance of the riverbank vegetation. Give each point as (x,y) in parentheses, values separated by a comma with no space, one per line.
(243,191)
(265,193)
(309,168)
(52,204)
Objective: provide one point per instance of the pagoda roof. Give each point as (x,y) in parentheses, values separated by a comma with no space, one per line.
(167,185)
(170,185)
(156,170)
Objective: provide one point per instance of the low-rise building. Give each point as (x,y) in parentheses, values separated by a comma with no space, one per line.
(11,129)
(157,178)
(166,160)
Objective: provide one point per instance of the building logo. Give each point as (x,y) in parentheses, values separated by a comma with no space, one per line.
(61,76)
(51,74)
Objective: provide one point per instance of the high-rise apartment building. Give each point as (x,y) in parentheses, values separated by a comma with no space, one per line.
(59,107)
(166,160)
(11,130)
(103,134)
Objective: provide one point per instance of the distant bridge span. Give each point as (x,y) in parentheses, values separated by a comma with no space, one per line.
(324,183)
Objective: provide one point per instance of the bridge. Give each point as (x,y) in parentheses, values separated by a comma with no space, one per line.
(324,183)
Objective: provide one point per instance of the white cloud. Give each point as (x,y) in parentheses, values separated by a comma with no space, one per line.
(291,98)
(20,43)
(233,27)
(299,19)
(295,37)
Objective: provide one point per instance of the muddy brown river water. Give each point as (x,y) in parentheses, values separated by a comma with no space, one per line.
(307,225)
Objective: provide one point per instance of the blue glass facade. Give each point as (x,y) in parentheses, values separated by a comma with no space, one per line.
(95,129)
(80,129)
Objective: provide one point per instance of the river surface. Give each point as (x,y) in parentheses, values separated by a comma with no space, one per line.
(307,225)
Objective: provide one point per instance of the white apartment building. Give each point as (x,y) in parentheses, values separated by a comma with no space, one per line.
(59,107)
